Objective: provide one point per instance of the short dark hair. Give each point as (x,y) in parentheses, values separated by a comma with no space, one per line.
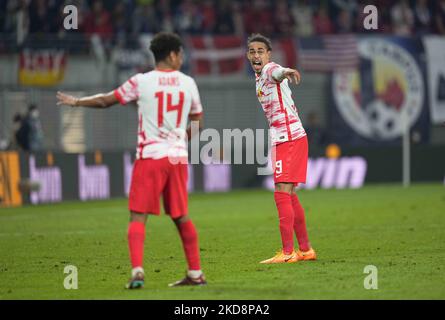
(257,37)
(163,43)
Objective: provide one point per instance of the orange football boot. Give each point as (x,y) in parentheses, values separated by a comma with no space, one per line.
(306,255)
(280,257)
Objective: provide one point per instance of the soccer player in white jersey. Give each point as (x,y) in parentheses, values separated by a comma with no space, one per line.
(290,147)
(166,99)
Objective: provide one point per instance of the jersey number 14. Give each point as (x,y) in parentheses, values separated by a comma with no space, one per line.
(160,95)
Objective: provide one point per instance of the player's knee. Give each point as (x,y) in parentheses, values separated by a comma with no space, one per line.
(181,220)
(138,217)
(284,187)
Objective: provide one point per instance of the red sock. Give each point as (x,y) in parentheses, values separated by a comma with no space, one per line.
(300,224)
(286,215)
(136,237)
(189,238)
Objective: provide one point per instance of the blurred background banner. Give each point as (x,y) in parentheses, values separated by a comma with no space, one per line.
(216,55)
(220,55)
(51,177)
(368,102)
(41,67)
(10,195)
(435,56)
(328,53)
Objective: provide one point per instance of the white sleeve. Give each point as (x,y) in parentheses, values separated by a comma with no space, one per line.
(128,91)
(196,100)
(275,72)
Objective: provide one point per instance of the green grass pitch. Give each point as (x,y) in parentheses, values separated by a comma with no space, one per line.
(400,231)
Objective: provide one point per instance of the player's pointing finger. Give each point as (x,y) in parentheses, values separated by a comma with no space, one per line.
(297,77)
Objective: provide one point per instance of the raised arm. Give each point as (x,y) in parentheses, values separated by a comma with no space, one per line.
(101,100)
(280,73)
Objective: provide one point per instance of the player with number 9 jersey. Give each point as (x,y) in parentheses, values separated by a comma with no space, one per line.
(290,147)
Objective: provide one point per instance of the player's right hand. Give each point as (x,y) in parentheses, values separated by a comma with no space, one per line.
(65,99)
(292,74)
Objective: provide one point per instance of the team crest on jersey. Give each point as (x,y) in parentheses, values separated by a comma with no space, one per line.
(390,81)
(260,93)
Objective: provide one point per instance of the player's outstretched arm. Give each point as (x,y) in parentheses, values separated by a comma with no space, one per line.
(291,74)
(101,100)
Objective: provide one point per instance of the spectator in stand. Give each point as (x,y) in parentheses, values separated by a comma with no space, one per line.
(39,17)
(302,13)
(270,17)
(208,16)
(166,17)
(439,17)
(343,5)
(187,18)
(258,17)
(322,23)
(145,19)
(120,21)
(3,9)
(402,18)
(360,17)
(17,19)
(238,18)
(384,16)
(283,20)
(98,21)
(344,22)
(423,17)
(341,13)
(224,18)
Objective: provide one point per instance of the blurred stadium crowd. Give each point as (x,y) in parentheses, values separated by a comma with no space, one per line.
(273,18)
(109,46)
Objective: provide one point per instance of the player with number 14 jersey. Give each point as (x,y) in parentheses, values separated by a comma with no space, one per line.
(166,100)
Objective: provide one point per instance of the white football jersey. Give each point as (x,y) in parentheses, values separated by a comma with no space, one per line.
(278,106)
(165,100)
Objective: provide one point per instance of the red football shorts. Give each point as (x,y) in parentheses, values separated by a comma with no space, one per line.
(289,161)
(153,178)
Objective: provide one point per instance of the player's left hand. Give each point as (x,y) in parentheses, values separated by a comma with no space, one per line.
(292,74)
(65,99)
